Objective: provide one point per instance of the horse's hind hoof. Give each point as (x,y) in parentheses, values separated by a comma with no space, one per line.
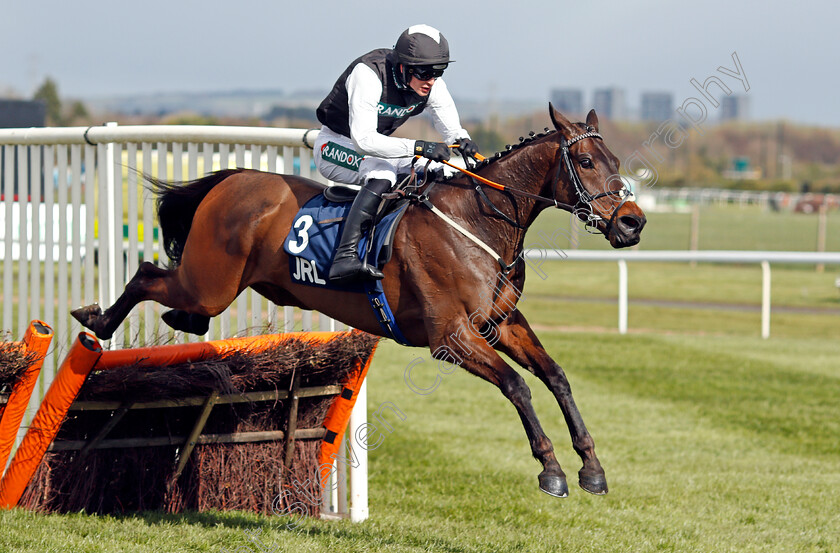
(187,322)
(86,315)
(554,485)
(593,483)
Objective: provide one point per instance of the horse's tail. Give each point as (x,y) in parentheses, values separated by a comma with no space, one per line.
(176,205)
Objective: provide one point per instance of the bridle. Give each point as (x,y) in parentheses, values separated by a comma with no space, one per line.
(582,207)
(584,198)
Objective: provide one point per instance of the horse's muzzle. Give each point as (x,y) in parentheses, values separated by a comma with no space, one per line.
(627,230)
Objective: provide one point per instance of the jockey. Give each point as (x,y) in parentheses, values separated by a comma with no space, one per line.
(376,94)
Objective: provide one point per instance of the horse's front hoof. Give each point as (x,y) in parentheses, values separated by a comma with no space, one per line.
(89,316)
(86,315)
(593,483)
(554,485)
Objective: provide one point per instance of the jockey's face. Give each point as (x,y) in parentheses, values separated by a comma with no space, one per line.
(422,77)
(423,88)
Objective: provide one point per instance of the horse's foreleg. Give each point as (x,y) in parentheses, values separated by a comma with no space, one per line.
(150,282)
(476,356)
(517,340)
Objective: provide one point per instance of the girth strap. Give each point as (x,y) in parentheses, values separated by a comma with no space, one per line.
(382,310)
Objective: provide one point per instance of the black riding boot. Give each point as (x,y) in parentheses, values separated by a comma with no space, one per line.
(347,266)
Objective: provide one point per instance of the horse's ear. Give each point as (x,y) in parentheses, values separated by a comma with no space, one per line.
(560,123)
(592,119)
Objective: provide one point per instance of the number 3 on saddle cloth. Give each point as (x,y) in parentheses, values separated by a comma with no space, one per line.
(313,240)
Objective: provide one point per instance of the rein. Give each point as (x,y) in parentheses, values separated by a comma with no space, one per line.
(504,188)
(585,199)
(423,198)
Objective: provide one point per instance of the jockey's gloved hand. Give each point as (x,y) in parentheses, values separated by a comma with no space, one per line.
(436,151)
(467,147)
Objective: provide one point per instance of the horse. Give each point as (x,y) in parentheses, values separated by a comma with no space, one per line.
(225,232)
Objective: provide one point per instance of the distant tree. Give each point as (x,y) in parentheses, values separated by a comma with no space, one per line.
(76,112)
(190,118)
(488,140)
(48,93)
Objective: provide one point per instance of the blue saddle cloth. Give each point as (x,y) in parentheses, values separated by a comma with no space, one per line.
(313,241)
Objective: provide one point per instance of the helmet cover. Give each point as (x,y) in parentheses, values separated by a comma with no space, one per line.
(422,45)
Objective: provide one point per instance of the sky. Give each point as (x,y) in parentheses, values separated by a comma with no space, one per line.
(514,50)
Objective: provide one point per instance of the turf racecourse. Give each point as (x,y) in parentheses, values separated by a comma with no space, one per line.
(711,444)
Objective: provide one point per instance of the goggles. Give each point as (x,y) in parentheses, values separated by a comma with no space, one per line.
(426,72)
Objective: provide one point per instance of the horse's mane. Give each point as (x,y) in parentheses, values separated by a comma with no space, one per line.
(523,141)
(510,148)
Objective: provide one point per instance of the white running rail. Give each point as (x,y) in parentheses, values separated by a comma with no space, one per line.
(710,256)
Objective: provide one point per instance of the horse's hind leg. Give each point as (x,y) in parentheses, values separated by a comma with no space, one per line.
(150,282)
(518,341)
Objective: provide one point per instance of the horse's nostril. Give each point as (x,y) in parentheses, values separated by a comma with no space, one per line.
(631,223)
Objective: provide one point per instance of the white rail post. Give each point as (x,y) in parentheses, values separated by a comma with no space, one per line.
(765,299)
(8,241)
(114,233)
(822,225)
(694,233)
(339,490)
(622,296)
(107,222)
(359,473)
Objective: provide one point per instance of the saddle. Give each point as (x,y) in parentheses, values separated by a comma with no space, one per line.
(340,193)
(313,238)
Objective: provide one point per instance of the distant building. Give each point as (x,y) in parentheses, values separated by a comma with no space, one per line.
(609,103)
(657,106)
(734,108)
(569,101)
(15,114)
(19,114)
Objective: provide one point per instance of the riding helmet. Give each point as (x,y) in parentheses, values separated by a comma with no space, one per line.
(422,45)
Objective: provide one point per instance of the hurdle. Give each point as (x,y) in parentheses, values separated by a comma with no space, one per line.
(63,412)
(33,349)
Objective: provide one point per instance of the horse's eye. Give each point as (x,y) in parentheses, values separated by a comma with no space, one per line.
(586,163)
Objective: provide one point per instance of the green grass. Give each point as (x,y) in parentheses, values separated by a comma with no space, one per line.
(564,315)
(710,443)
(584,295)
(710,283)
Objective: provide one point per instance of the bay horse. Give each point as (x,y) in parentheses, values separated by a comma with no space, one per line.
(225,233)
